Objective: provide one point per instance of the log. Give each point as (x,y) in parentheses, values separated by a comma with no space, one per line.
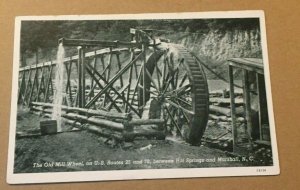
(219,93)
(95,129)
(225,111)
(146,122)
(218,118)
(226,101)
(106,114)
(130,136)
(92,120)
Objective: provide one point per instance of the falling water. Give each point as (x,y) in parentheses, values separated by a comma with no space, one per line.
(58,94)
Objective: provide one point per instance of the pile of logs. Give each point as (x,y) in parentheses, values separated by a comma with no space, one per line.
(218,133)
(119,126)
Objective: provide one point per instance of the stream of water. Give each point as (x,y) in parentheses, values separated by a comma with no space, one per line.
(58,82)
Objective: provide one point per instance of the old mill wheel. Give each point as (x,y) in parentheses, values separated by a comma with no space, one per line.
(177,83)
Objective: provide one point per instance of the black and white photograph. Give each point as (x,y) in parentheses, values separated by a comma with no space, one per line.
(141,96)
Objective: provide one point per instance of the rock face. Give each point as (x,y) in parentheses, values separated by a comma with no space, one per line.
(221,45)
(216,46)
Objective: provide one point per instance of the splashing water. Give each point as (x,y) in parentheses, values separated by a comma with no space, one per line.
(58,94)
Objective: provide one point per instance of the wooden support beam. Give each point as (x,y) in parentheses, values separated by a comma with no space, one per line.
(232,107)
(110,83)
(144,77)
(26,87)
(100,85)
(259,107)
(68,85)
(48,83)
(79,84)
(108,68)
(247,104)
(114,90)
(33,86)
(136,86)
(74,58)
(91,94)
(121,91)
(119,67)
(40,84)
(83,67)
(101,43)
(129,79)
(21,87)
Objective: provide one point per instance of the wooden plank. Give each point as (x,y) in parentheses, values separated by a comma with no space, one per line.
(103,43)
(248,64)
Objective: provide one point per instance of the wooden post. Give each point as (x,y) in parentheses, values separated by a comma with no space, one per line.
(21,87)
(232,107)
(79,84)
(108,73)
(48,82)
(247,104)
(27,84)
(83,76)
(91,94)
(33,85)
(144,77)
(263,106)
(130,79)
(40,84)
(259,106)
(68,86)
(119,66)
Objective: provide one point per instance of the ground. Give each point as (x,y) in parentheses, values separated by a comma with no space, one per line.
(85,151)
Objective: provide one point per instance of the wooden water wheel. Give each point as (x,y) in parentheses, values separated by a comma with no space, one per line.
(176,81)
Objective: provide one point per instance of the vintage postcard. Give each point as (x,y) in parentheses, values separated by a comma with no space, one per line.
(141,96)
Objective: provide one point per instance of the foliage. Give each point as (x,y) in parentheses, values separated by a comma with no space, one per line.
(43,35)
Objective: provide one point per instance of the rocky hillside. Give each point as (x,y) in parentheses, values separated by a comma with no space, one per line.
(216,46)
(213,41)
